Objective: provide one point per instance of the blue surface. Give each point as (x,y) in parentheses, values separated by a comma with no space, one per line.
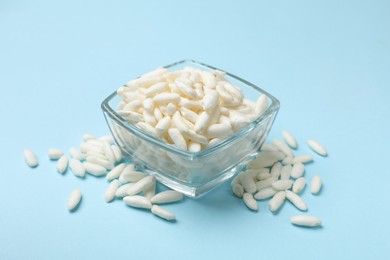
(327,62)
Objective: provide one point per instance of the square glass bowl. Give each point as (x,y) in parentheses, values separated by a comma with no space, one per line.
(192,173)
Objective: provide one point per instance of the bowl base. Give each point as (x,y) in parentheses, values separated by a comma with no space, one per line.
(194,191)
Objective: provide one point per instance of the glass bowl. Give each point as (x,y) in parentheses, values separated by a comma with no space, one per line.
(192,173)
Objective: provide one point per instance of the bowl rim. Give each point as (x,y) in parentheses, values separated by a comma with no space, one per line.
(272,108)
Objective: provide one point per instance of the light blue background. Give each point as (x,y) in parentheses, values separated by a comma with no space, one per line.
(327,62)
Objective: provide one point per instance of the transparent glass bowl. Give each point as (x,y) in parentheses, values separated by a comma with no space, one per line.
(193,174)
